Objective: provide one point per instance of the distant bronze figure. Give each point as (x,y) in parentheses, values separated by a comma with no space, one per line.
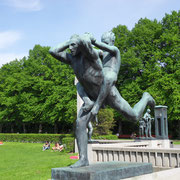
(148,120)
(141,128)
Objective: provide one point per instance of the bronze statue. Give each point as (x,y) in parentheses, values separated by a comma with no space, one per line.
(141,127)
(94,76)
(147,119)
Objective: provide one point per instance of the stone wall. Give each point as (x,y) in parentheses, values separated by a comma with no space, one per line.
(141,152)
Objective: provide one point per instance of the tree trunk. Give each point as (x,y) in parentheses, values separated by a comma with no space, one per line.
(1,126)
(120,127)
(55,128)
(40,128)
(24,128)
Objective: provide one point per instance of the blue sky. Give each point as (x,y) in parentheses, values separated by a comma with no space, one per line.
(24,23)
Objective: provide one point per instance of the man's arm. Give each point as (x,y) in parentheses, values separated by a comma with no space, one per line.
(58,52)
(86,46)
(105,47)
(88,51)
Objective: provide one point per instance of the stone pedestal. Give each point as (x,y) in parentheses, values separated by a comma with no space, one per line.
(102,171)
(161,122)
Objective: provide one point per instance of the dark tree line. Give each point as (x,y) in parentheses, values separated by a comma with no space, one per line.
(38,92)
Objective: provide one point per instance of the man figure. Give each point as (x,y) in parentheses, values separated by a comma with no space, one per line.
(88,69)
(141,127)
(111,65)
(147,118)
(111,61)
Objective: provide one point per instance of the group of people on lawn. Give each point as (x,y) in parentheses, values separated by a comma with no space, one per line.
(57,146)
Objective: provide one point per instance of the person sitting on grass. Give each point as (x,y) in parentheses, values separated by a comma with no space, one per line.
(46,146)
(57,147)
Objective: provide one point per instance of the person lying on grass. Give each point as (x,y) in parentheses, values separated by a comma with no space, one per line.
(57,147)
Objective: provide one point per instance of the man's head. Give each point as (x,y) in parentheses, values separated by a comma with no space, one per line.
(108,38)
(73,45)
(148,110)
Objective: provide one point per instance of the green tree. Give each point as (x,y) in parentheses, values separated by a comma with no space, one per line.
(105,122)
(38,89)
(53,88)
(10,88)
(168,56)
(150,62)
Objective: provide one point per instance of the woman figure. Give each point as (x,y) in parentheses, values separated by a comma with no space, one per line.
(57,147)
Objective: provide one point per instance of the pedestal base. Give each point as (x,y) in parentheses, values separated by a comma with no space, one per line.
(102,171)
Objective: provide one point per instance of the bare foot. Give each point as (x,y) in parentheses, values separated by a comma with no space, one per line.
(90,140)
(88,106)
(80,163)
(95,110)
(151,101)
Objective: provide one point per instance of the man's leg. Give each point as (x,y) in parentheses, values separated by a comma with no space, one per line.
(147,130)
(115,100)
(81,137)
(139,132)
(150,130)
(90,131)
(110,78)
(88,103)
(143,131)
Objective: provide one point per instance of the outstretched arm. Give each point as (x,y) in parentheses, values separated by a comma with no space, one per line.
(58,52)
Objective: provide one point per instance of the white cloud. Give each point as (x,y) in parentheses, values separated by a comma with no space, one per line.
(8,38)
(7,57)
(26,5)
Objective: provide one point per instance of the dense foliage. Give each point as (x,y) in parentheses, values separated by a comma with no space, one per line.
(150,62)
(105,122)
(39,90)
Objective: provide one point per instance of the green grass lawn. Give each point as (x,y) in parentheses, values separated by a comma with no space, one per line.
(27,161)
(176,142)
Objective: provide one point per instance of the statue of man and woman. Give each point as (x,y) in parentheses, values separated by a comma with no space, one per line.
(97,71)
(145,125)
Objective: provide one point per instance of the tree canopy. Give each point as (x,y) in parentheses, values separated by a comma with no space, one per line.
(39,89)
(150,62)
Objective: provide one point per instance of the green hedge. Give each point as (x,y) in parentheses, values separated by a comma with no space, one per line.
(105,137)
(66,139)
(69,144)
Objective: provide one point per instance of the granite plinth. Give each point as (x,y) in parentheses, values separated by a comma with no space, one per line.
(102,171)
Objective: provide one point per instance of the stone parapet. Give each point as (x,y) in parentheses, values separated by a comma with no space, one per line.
(158,157)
